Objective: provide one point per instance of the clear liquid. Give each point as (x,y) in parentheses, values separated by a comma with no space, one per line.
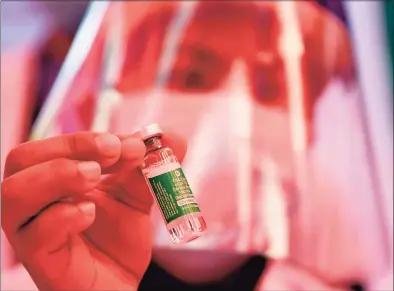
(187,227)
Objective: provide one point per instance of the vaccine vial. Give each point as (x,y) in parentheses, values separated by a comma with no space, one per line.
(170,188)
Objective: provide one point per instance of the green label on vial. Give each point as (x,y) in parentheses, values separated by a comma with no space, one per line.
(173,194)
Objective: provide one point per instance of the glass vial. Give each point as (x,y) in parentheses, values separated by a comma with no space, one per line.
(170,188)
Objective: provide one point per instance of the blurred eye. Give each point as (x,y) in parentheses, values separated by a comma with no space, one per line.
(198,69)
(194,80)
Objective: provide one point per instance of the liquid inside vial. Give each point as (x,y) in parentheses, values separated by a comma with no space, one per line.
(172,192)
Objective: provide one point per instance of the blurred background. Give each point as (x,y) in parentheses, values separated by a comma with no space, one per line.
(286,105)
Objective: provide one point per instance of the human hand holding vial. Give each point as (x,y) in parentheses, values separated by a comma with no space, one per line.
(169,187)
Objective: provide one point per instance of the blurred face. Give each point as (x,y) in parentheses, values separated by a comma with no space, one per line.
(218,34)
(200,85)
(221,32)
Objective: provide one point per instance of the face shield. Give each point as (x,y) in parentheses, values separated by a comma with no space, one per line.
(264,92)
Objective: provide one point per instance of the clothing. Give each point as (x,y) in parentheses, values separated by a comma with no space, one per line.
(156,278)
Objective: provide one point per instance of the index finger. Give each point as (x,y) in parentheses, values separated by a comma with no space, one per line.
(104,148)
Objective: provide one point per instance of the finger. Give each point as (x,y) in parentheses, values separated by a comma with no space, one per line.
(45,237)
(103,148)
(132,154)
(26,193)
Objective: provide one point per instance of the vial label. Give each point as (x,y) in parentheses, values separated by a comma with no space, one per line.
(172,191)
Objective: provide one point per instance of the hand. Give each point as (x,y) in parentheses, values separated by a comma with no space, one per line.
(76,210)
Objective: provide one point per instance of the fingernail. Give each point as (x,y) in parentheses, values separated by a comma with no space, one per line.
(132,148)
(108,144)
(87,208)
(90,170)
